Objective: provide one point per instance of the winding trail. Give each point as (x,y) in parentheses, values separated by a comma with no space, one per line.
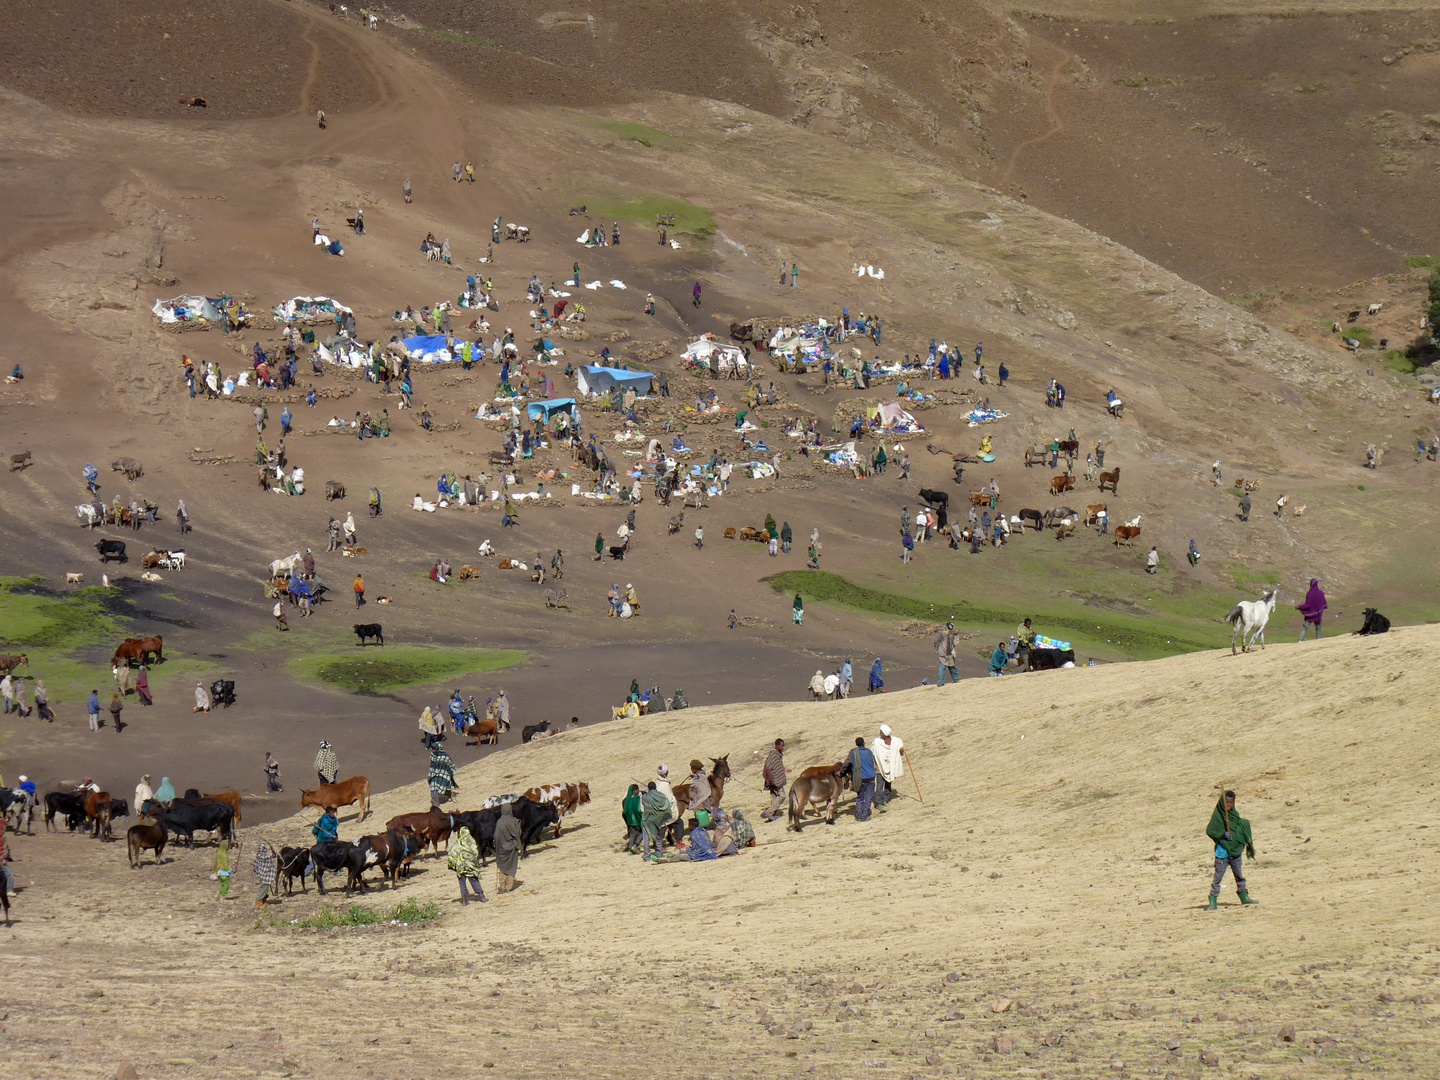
(1059,125)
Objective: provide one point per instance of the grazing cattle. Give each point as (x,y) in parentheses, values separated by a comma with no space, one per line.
(1047,659)
(184,818)
(345,793)
(368,630)
(111,549)
(70,804)
(485,731)
(529,731)
(1092,513)
(822,784)
(935,498)
(138,650)
(286,567)
(1111,478)
(9,662)
(293,862)
(564,797)
(533,819)
(230,799)
(431,828)
(979,498)
(1126,535)
(1063,482)
(146,837)
(334,489)
(98,812)
(1375,623)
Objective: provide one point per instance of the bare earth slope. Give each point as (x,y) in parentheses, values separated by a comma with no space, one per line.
(1041,914)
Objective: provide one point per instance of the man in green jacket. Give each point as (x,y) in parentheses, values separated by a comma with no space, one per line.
(1231,834)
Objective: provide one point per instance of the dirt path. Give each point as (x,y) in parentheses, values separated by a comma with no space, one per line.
(1058,125)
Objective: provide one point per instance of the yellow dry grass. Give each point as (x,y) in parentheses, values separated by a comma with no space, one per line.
(1041,914)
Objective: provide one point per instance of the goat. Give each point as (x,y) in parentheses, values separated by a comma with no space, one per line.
(1374,309)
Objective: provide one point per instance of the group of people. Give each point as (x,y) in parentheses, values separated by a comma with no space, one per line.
(653,816)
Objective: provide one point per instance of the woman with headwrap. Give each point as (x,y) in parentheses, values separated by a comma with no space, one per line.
(797,611)
(1312,609)
(165,793)
(142,687)
(42,701)
(464,860)
(442,775)
(429,728)
(877,680)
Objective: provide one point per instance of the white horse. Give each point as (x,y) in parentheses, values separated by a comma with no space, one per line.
(286,566)
(1249,618)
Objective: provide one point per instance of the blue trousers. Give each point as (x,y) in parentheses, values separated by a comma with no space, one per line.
(954,674)
(863,798)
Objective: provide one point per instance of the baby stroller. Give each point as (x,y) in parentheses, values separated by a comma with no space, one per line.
(222,692)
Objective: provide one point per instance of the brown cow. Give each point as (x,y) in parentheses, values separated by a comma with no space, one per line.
(146,837)
(1061,483)
(430,828)
(10,663)
(485,731)
(1111,478)
(1092,513)
(1066,528)
(97,812)
(345,793)
(821,784)
(1127,534)
(230,799)
(564,797)
(138,649)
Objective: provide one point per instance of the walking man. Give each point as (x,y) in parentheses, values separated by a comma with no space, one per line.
(327,767)
(945,649)
(862,778)
(359,588)
(890,761)
(1233,841)
(773,776)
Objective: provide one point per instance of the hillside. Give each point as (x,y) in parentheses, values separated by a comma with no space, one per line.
(1075,940)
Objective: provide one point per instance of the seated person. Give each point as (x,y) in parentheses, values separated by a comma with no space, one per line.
(702,848)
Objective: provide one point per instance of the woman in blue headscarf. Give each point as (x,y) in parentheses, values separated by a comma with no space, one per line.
(877,680)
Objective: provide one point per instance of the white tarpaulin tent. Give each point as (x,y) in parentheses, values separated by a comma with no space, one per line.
(714,355)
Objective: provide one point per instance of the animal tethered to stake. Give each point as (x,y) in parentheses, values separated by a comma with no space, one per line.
(1249,618)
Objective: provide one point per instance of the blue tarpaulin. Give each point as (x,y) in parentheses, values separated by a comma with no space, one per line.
(548,409)
(428,348)
(597,380)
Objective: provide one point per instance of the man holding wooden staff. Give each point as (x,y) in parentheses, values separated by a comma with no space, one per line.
(1231,834)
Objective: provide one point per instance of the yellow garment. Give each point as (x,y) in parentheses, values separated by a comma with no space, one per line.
(427,722)
(985,445)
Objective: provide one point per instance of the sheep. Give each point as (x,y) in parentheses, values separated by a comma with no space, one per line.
(1374,309)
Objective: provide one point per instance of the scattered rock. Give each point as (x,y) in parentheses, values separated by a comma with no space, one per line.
(1209,1057)
(1172,1045)
(1002,1044)
(126,1072)
(94,993)
(1287,1033)
(954,976)
(932,1059)
(1003,1005)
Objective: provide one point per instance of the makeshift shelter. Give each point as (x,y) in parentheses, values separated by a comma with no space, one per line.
(710,355)
(187,309)
(548,410)
(593,380)
(428,349)
(309,309)
(893,417)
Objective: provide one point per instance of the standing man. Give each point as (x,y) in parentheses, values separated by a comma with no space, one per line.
(1152,560)
(405,187)
(773,777)
(654,816)
(326,765)
(272,773)
(599,546)
(359,588)
(862,777)
(794,275)
(507,847)
(890,761)
(1245,507)
(945,649)
(1231,834)
(1313,609)
(143,794)
(92,706)
(502,709)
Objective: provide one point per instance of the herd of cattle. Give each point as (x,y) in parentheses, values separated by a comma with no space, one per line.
(405,838)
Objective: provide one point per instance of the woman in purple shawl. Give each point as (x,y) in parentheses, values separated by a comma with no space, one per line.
(1312,609)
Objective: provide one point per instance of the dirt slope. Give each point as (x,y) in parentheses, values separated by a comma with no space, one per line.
(1042,912)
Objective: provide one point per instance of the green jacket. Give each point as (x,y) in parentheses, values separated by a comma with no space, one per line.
(1240,837)
(630,808)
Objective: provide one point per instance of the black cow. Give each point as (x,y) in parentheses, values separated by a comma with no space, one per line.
(222,692)
(70,804)
(293,863)
(119,808)
(935,498)
(617,551)
(184,818)
(529,731)
(533,819)
(365,630)
(1046,659)
(1375,623)
(332,856)
(394,852)
(111,549)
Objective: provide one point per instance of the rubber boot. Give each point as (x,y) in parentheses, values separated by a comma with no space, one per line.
(1245,899)
(1213,903)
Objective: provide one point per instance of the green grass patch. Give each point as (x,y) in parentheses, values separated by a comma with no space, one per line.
(382,669)
(408,913)
(462,39)
(1422,262)
(1244,577)
(1400,360)
(643,207)
(1078,620)
(639,133)
(34,617)
(1358,333)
